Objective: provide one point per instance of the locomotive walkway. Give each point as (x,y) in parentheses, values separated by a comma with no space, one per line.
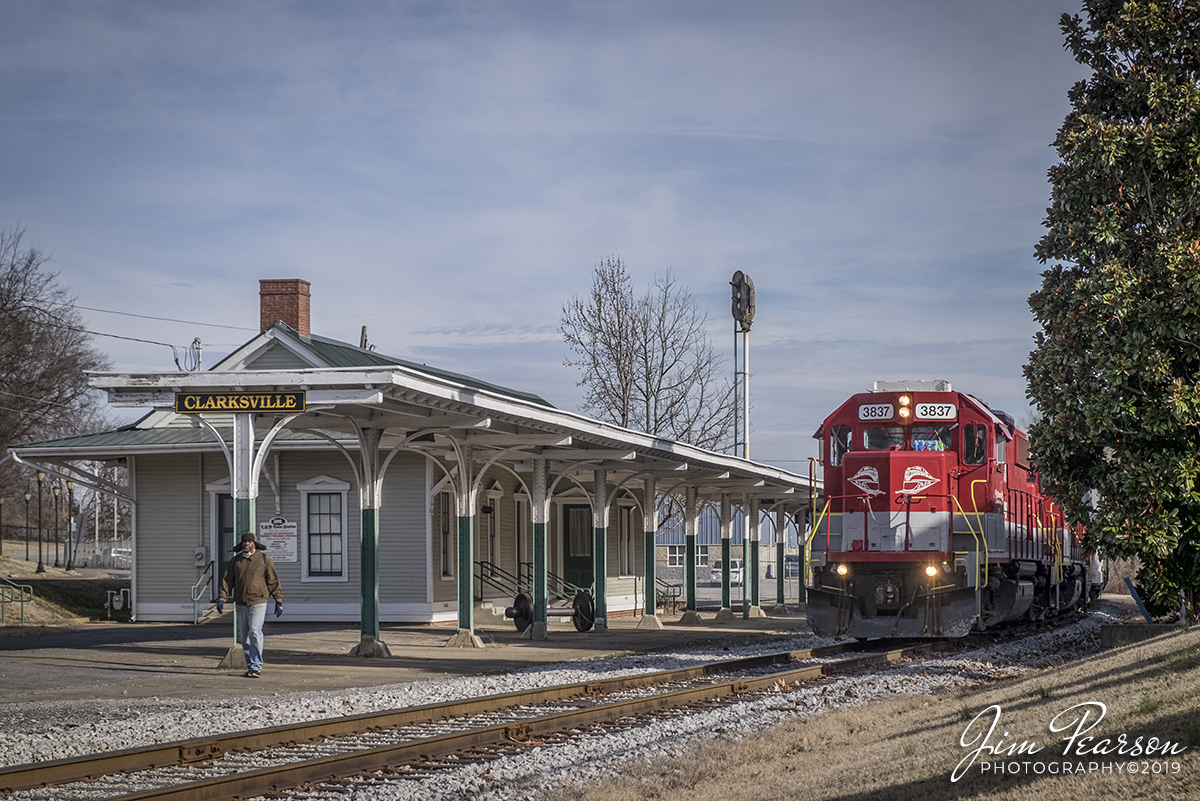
(169,660)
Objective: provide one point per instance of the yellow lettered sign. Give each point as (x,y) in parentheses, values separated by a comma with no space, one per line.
(201,402)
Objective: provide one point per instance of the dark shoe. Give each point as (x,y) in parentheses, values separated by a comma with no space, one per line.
(251,674)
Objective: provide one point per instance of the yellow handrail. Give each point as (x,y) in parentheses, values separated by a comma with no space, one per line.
(980,537)
(808,543)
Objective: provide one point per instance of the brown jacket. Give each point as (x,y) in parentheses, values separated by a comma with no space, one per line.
(251,580)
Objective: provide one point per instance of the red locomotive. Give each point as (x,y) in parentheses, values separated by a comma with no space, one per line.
(934,522)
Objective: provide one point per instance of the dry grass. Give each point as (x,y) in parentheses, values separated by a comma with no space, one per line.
(907,748)
(59,597)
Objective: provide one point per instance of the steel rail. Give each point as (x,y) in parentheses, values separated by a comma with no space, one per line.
(279,778)
(93,766)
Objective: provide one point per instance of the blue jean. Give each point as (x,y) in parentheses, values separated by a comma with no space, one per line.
(250,624)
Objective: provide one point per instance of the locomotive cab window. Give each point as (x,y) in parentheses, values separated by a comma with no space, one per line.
(839,444)
(974,443)
(882,439)
(931,438)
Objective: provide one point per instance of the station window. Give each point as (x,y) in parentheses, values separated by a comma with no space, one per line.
(883,438)
(625,554)
(323,533)
(446,531)
(931,438)
(839,444)
(974,443)
(676,554)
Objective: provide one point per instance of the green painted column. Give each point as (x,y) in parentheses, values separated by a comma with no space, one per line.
(801,535)
(242,486)
(600,548)
(689,550)
(726,554)
(369,568)
(780,548)
(539,504)
(749,555)
(466,573)
(649,534)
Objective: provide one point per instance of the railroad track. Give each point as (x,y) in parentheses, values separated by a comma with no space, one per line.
(384,741)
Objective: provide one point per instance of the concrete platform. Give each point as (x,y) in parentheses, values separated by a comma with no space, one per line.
(169,660)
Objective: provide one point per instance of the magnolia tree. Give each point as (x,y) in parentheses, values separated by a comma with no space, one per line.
(1116,372)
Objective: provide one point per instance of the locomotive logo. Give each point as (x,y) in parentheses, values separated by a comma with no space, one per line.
(867,480)
(917,479)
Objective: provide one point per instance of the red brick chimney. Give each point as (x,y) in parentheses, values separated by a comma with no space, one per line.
(286,300)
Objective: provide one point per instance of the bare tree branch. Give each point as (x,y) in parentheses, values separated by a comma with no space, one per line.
(43,355)
(646,362)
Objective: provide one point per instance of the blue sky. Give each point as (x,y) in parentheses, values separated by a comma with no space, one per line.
(448,173)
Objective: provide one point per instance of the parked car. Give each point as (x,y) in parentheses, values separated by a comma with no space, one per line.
(735,572)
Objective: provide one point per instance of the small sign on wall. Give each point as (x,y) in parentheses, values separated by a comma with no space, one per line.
(279,537)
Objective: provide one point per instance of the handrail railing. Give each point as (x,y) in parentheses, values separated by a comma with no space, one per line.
(493,575)
(198,591)
(13,593)
(510,584)
(565,589)
(812,532)
(666,594)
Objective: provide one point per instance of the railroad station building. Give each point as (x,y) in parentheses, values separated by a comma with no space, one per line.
(389,491)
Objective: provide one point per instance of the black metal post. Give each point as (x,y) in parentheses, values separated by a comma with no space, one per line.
(41,568)
(27,497)
(57,519)
(70,525)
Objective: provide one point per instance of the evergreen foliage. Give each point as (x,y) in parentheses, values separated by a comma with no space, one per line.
(1116,372)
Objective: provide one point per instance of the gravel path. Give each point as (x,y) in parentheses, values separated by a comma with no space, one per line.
(53,730)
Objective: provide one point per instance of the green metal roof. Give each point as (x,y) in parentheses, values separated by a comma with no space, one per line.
(342,354)
(166,436)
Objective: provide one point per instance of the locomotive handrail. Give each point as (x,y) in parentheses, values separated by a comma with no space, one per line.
(981,537)
(808,542)
(975,506)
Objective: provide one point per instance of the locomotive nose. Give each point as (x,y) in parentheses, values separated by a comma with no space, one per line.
(898,478)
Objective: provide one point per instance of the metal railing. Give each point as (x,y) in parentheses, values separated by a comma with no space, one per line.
(667,594)
(491,574)
(198,590)
(510,584)
(12,593)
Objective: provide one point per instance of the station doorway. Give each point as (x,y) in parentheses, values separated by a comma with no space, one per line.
(577,546)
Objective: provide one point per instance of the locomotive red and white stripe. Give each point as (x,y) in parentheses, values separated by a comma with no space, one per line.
(934,522)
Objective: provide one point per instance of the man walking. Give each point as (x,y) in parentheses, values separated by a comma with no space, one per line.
(251,578)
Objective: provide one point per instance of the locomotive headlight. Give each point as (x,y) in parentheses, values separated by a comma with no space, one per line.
(905,400)
(931,571)
(905,411)
(842,570)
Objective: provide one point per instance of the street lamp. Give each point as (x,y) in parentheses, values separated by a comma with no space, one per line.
(57,491)
(41,568)
(70,524)
(27,497)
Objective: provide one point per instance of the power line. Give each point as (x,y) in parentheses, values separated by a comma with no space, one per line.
(166,319)
(36,400)
(191,352)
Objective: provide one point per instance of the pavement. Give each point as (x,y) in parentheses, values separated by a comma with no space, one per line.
(172,660)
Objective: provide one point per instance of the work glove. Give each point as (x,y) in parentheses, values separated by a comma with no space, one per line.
(220,607)
(278,609)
